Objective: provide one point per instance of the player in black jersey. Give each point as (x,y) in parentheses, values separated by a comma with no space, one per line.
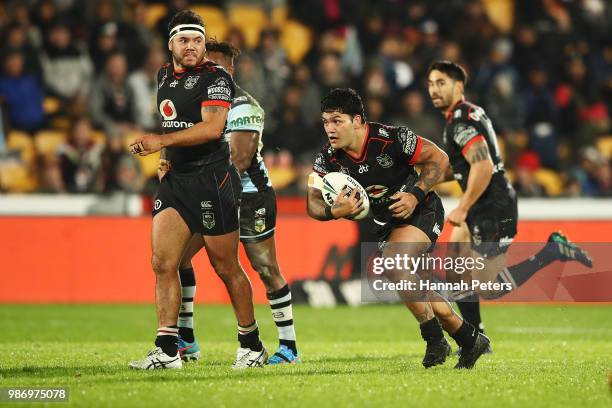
(487,212)
(382,159)
(198,198)
(257,219)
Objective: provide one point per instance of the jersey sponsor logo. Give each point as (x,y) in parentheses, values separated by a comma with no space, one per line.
(191,82)
(240,99)
(176,124)
(173,83)
(220,89)
(245,121)
(464,133)
(157,204)
(384,160)
(167,109)
(206,205)
(383,132)
(408,140)
(457,114)
(363,168)
(376,190)
(458,176)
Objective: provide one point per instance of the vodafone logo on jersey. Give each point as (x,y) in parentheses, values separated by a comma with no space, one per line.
(167,109)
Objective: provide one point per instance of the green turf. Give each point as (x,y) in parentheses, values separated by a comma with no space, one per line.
(553,356)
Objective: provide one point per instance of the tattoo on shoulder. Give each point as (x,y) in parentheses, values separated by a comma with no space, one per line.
(430,174)
(213,109)
(479,154)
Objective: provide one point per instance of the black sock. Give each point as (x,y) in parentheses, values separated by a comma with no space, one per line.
(465,336)
(520,273)
(470,310)
(248,336)
(167,340)
(431,331)
(188,288)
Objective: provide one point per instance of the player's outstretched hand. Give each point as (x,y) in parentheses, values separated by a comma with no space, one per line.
(145,145)
(457,216)
(404,206)
(347,205)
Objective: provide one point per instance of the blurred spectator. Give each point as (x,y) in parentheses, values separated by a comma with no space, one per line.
(310,104)
(104,44)
(249,75)
(526,185)
(414,116)
(32,35)
(66,66)
(583,115)
(44,17)
(16,40)
(136,35)
(22,94)
(144,87)
(504,105)
(122,171)
(112,101)
(174,6)
(78,166)
(594,175)
(375,110)
(541,120)
(273,59)
(330,73)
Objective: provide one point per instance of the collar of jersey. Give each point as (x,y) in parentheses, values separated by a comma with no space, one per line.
(450,111)
(181,74)
(363,146)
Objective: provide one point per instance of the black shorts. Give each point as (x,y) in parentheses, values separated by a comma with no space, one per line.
(257,216)
(493,226)
(428,217)
(207,198)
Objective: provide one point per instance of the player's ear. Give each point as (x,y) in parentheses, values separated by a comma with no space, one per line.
(170,46)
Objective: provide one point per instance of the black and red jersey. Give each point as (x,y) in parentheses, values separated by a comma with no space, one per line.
(466,124)
(384,166)
(180,97)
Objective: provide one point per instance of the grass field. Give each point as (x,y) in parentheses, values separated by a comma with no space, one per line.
(553,356)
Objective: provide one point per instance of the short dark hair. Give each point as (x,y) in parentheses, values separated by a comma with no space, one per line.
(452,69)
(185,17)
(343,100)
(223,47)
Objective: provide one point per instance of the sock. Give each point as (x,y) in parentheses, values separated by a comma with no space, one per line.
(282,313)
(469,306)
(248,336)
(465,336)
(520,273)
(167,339)
(188,289)
(431,331)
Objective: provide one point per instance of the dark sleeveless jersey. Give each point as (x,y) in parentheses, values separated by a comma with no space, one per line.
(384,166)
(467,124)
(180,97)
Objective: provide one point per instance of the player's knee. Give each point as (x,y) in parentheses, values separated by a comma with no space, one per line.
(162,266)
(226,269)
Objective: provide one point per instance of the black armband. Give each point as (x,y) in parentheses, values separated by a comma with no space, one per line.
(418,193)
(328,213)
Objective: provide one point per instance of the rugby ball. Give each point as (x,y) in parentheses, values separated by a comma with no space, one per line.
(335,182)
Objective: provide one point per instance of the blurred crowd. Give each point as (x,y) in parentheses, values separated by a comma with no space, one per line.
(78,79)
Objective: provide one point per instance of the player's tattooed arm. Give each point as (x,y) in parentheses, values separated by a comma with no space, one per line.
(210,128)
(479,177)
(243,145)
(434,165)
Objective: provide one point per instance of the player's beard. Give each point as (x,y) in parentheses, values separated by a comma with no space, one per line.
(178,60)
(445,102)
